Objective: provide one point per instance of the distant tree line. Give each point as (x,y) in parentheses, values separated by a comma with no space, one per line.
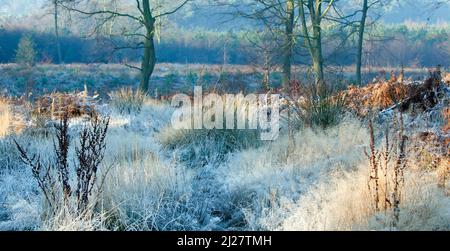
(386,45)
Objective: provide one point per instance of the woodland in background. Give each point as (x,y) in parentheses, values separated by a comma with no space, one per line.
(410,44)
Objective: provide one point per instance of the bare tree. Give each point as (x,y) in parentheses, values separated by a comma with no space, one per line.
(262,50)
(289,42)
(56,23)
(278,18)
(312,11)
(366,6)
(55,12)
(142,16)
(361,30)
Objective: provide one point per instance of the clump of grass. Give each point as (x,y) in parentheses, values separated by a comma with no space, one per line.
(148,194)
(198,148)
(127,101)
(314,106)
(396,196)
(341,204)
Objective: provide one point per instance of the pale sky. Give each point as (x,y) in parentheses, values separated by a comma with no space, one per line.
(412,10)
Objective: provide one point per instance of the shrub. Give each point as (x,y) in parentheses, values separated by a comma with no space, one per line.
(56,105)
(127,101)
(53,176)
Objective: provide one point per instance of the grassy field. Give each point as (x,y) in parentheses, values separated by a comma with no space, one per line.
(167,78)
(153,177)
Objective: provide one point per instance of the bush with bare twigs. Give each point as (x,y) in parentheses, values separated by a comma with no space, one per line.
(54,176)
(387,168)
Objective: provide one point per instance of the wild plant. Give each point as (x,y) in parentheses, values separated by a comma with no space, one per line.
(54,175)
(386,179)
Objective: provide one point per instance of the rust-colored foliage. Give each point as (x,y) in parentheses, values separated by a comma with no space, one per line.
(446,115)
(446,128)
(447,79)
(11,117)
(56,104)
(396,92)
(376,96)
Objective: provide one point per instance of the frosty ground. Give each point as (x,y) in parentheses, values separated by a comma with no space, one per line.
(159,178)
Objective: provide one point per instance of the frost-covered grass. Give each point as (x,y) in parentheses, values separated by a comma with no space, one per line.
(127,101)
(277,174)
(148,194)
(197,148)
(16,80)
(316,180)
(342,203)
(319,181)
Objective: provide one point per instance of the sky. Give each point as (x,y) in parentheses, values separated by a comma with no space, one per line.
(420,12)
(411,10)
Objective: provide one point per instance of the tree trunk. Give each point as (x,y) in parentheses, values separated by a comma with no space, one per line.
(316,18)
(318,68)
(58,44)
(149,58)
(266,71)
(289,44)
(313,42)
(317,55)
(362,27)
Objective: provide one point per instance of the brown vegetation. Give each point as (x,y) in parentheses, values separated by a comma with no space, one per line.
(395,93)
(446,115)
(11,119)
(5,117)
(376,96)
(447,79)
(387,168)
(55,105)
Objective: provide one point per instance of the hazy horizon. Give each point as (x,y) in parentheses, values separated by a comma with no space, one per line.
(409,11)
